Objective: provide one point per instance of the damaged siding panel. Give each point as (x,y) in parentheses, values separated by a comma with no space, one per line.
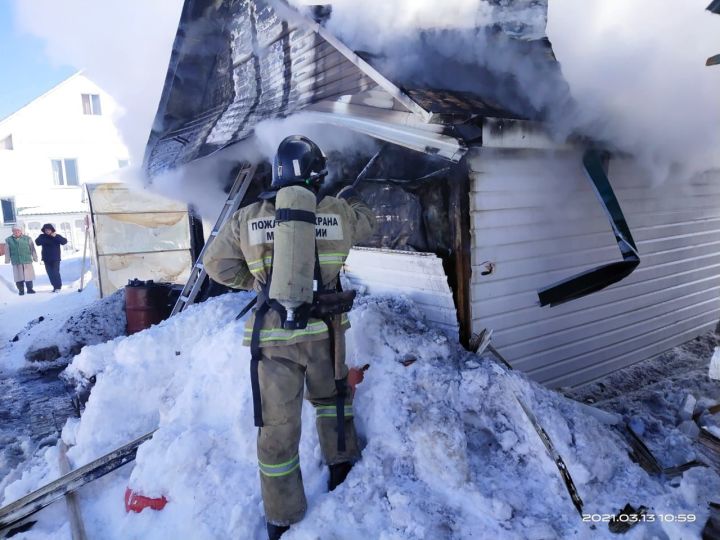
(534,242)
(419,276)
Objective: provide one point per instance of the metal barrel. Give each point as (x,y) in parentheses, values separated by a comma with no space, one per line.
(146,303)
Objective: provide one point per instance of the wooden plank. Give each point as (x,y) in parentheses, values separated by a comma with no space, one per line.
(42,497)
(77,528)
(460,261)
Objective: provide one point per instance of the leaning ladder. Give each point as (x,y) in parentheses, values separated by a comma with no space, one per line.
(198,274)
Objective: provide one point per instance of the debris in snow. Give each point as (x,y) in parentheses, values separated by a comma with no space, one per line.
(43,354)
(51,338)
(626,519)
(687,407)
(714,371)
(447,453)
(689,428)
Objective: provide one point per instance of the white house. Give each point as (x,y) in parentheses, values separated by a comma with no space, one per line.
(49,149)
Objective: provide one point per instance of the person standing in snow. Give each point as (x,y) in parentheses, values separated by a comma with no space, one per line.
(50,243)
(20,252)
(285,360)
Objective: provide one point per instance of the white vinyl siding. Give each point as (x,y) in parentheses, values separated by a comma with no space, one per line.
(536,217)
(419,276)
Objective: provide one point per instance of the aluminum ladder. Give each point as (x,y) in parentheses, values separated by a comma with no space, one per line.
(232,204)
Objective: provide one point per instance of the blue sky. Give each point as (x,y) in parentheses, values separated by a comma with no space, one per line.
(25,72)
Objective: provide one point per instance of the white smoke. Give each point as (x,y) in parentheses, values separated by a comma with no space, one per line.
(637,72)
(123,45)
(635,68)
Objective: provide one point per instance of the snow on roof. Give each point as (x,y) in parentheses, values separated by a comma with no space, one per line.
(46,209)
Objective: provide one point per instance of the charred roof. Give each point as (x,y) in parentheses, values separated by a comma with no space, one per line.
(238,62)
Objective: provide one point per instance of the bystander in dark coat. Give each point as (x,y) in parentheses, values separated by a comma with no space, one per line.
(50,243)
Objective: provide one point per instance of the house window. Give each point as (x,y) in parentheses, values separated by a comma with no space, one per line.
(123,163)
(91,104)
(6,143)
(33,226)
(65,172)
(8,210)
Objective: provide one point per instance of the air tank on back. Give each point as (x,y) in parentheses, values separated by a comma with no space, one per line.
(293,253)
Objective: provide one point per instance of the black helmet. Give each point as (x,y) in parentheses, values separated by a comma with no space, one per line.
(298,161)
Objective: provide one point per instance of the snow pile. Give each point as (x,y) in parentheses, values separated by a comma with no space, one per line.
(448,452)
(660,396)
(714,370)
(81,321)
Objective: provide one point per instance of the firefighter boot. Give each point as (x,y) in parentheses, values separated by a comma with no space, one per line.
(276,531)
(338,473)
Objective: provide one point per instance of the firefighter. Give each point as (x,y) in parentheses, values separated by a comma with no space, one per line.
(293,350)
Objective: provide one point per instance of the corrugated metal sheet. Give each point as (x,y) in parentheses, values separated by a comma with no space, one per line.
(419,276)
(536,218)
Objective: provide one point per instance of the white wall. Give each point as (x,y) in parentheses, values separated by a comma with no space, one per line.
(54,127)
(76,237)
(535,216)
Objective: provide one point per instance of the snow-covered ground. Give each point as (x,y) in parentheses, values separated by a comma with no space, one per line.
(35,402)
(448,452)
(16,311)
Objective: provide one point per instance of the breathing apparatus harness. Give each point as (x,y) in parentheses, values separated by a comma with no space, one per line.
(325,304)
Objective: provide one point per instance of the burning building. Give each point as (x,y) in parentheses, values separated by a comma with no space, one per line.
(488,217)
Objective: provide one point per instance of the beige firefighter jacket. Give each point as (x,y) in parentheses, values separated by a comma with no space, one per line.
(241,257)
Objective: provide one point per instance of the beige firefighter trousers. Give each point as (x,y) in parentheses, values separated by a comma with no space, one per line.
(283,373)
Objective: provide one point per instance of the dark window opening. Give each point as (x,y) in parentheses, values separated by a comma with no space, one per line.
(8,211)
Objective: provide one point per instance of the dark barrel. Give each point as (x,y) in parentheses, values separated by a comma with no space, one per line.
(146,303)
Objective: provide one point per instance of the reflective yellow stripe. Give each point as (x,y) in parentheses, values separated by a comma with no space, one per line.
(332,258)
(260,264)
(330,411)
(281,469)
(280,334)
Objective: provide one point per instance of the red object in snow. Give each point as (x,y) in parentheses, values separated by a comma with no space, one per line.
(356,376)
(137,503)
